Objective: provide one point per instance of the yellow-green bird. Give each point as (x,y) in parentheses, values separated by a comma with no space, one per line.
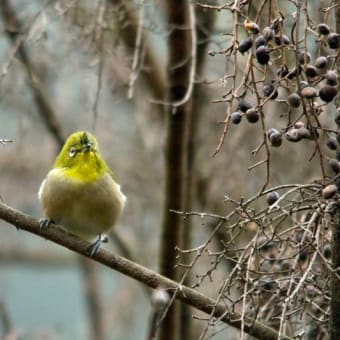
(80,192)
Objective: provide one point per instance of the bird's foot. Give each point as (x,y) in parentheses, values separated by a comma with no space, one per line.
(95,246)
(45,222)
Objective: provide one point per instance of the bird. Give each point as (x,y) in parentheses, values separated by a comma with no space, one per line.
(80,192)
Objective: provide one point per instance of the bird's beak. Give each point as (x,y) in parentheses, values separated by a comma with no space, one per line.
(87,147)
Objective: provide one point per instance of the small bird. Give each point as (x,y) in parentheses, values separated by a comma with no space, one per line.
(80,192)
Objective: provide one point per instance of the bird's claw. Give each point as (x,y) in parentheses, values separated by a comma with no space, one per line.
(95,246)
(45,223)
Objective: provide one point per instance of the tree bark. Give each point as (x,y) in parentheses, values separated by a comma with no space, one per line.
(175,150)
(204,23)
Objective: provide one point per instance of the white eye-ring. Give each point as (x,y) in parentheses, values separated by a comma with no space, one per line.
(72,152)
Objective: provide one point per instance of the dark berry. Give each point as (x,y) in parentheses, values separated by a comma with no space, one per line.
(331,78)
(270,91)
(323,29)
(311,71)
(334,165)
(327,251)
(243,105)
(275,139)
(259,41)
(332,143)
(268,33)
(262,55)
(327,93)
(321,63)
(245,45)
(334,41)
(252,115)
(282,40)
(304,58)
(236,117)
(294,100)
(272,197)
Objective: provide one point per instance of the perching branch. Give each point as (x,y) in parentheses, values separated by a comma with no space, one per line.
(142,274)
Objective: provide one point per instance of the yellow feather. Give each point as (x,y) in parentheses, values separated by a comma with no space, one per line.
(79,192)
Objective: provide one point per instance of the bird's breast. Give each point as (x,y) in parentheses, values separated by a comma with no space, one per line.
(86,209)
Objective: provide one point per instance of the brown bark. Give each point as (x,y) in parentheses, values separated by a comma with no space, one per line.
(175,150)
(204,25)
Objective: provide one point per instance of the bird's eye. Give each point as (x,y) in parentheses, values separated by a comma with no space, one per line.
(72,152)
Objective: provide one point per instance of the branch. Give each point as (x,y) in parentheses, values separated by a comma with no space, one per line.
(144,275)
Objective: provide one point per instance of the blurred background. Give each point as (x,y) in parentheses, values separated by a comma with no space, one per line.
(68,66)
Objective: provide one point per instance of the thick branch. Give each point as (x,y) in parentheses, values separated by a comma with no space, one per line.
(144,275)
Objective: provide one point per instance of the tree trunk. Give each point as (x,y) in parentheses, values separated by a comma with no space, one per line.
(175,149)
